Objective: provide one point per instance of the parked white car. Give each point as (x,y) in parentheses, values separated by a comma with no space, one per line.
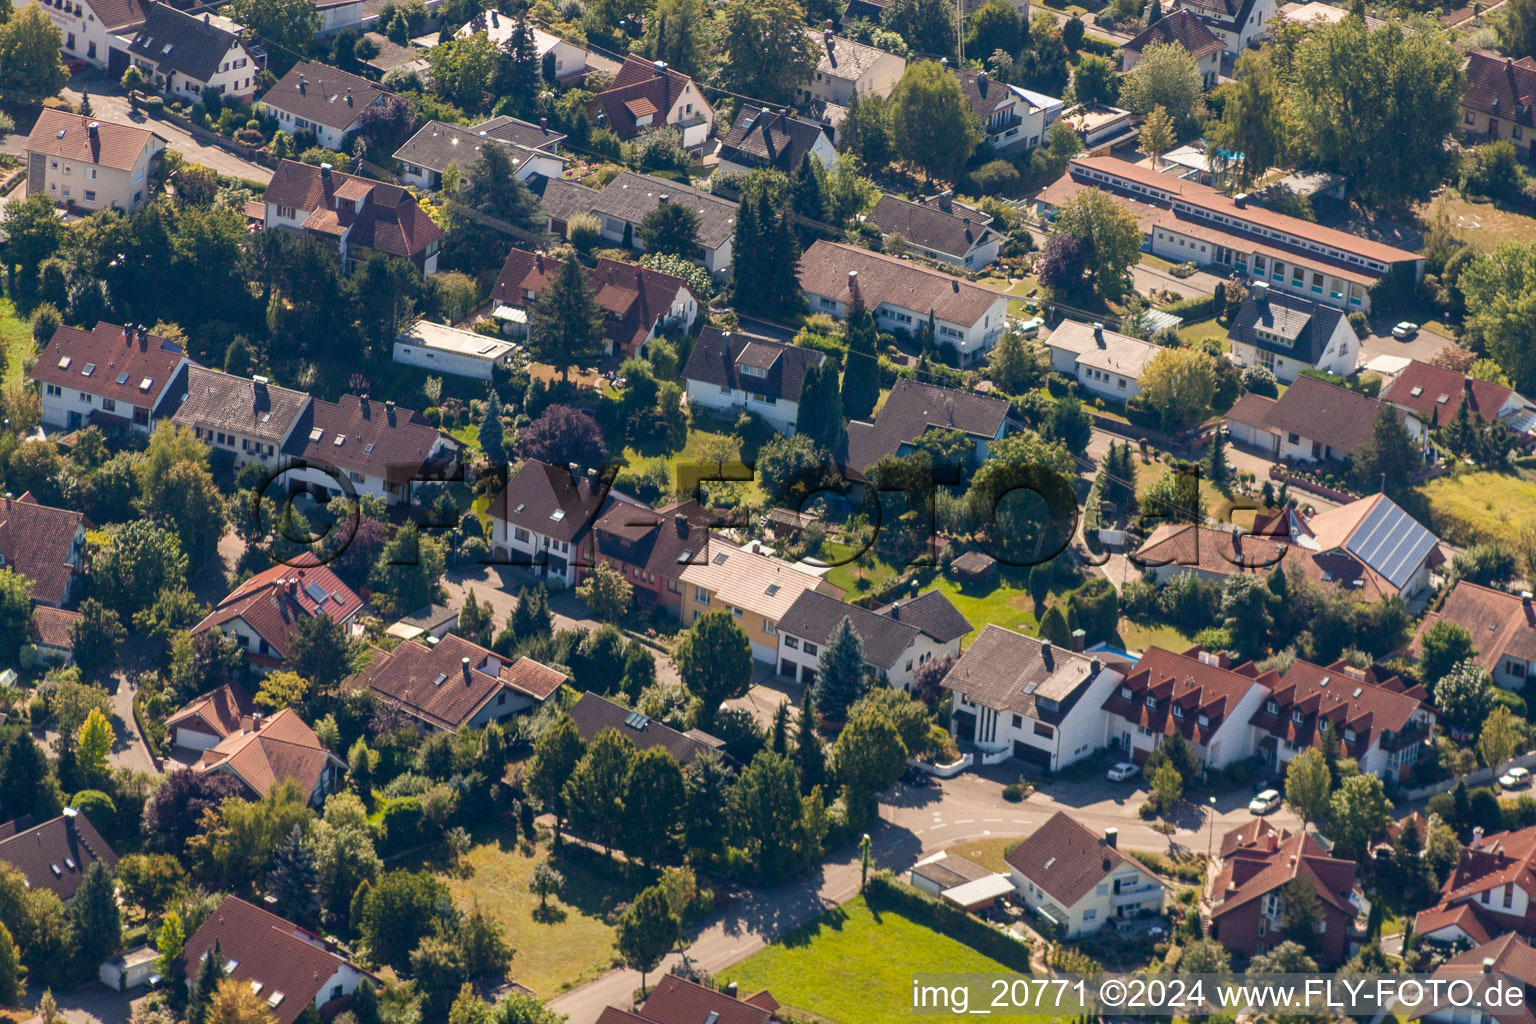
(1124,770)
(1030,328)
(1405,329)
(1515,778)
(1265,802)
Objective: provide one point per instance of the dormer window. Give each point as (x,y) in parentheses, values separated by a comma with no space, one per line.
(753,371)
(1151,703)
(1125,692)
(1178,712)
(1298,717)
(1349,735)
(1272,707)
(1204,720)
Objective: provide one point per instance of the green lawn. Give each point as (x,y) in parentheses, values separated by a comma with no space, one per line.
(986,852)
(1003,605)
(1194,334)
(1482,225)
(16,337)
(706,443)
(1481,506)
(857,577)
(1138,636)
(556,952)
(853,967)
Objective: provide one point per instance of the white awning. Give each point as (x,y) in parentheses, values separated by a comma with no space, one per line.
(969,894)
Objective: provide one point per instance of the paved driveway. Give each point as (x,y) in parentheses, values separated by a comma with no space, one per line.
(1423,345)
(90,1004)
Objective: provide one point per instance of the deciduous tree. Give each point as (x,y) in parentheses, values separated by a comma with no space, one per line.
(714,660)
(932,125)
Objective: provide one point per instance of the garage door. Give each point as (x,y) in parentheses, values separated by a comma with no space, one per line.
(1031,754)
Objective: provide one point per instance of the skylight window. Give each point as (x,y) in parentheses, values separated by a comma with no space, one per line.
(122,379)
(69,862)
(64,363)
(557,515)
(341,439)
(230,965)
(266,417)
(317,433)
(144,385)
(368,449)
(274,998)
(57,873)
(1416,391)
(719,559)
(255,987)
(773,588)
(442,677)
(89,369)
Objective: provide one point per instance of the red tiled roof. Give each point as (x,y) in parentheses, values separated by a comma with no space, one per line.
(633,297)
(435,684)
(268,949)
(272,602)
(390,220)
(639,88)
(1180,27)
(323,94)
(1209,550)
(127,366)
(1266,859)
(1503,858)
(1349,698)
(675,1001)
(1435,392)
(42,853)
(375,438)
(265,752)
(1500,623)
(1066,860)
(38,541)
(67,136)
(51,627)
(1501,87)
(1198,682)
(220,711)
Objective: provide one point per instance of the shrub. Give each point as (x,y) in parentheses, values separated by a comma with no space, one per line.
(1183,270)
(1013,792)
(154,106)
(1147,811)
(1199,308)
(997,178)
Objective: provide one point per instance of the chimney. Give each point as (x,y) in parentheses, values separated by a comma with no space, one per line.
(1098,333)
(954,284)
(303,86)
(1079,639)
(464,664)
(1487,965)
(1240,200)
(255,721)
(246,723)
(543,124)
(325,172)
(725,345)
(1046,653)
(205,19)
(1261,291)
(128,334)
(95,129)
(981,82)
(495,21)
(661,68)
(349,95)
(730,989)
(1095,667)
(853,283)
(259,385)
(896,610)
(944,203)
(143,335)
(1525,598)
(389,411)
(1477,837)
(69,818)
(1112,838)
(1466,385)
(575,473)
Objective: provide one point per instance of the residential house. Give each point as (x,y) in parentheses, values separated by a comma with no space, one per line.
(187,55)
(1041,704)
(1207,552)
(958,882)
(109,376)
(567,60)
(1502,627)
(1196,694)
(1006,116)
(1286,334)
(939,235)
(534,149)
(1258,867)
(1078,881)
(287,967)
(898,639)
(52,632)
(453,683)
(911,409)
(214,716)
(624,203)
(1318,12)
(639,303)
(434,346)
(1106,364)
(95,31)
(361,447)
(88,163)
(1184,28)
(360,215)
(763,139)
(754,588)
(1370,547)
(1506,958)
(902,296)
(56,854)
(1488,893)
(541,520)
(318,98)
(1498,99)
(246,419)
(1187,222)
(648,94)
(44,544)
(729,371)
(1381,722)
(262,612)
(846,70)
(1240,24)
(336,15)
(675,1000)
(1435,396)
(264,753)
(650,547)
(1101,127)
(593,714)
(1314,421)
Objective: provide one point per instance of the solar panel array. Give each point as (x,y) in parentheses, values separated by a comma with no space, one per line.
(1391,542)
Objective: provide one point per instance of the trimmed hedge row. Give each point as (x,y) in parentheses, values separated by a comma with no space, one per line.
(885,892)
(1096,44)
(1201,308)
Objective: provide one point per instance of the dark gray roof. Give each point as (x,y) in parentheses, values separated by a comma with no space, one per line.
(187,44)
(438,144)
(631,196)
(784,365)
(1306,324)
(519,133)
(593,713)
(764,138)
(323,94)
(886,636)
(1319,411)
(1231,15)
(547,500)
(929,227)
(910,410)
(43,853)
(933,614)
(214,400)
(1008,671)
(563,199)
(950,871)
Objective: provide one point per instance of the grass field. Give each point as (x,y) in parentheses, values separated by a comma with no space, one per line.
(556,952)
(16,337)
(1481,506)
(1194,334)
(854,967)
(1138,636)
(1006,606)
(1483,225)
(706,443)
(868,572)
